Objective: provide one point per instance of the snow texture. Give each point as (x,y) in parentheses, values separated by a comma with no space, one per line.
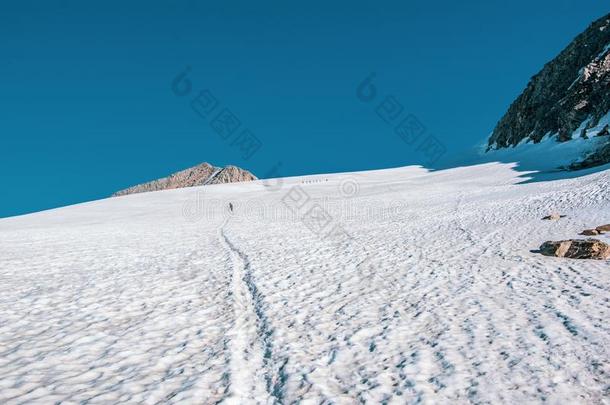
(429,290)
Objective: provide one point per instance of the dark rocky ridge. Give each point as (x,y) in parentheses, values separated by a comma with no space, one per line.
(571,89)
(200,175)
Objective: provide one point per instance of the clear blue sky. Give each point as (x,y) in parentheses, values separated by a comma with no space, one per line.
(87,106)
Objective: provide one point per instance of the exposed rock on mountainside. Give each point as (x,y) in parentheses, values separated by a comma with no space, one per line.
(567,98)
(598,157)
(231,174)
(200,175)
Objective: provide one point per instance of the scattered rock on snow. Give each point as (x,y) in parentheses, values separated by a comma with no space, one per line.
(590,232)
(603,228)
(577,249)
(552,217)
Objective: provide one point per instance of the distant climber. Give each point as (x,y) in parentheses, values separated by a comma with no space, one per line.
(231,207)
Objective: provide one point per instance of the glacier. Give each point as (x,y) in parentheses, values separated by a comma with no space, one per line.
(391,286)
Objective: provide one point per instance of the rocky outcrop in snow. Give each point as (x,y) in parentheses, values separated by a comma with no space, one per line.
(567,98)
(577,249)
(603,228)
(200,175)
(553,217)
(600,230)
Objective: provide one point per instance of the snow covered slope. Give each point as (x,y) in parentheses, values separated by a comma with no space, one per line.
(426,291)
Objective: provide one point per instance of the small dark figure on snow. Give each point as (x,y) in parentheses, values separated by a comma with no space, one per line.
(231,207)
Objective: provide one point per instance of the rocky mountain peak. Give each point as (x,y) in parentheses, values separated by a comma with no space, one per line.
(567,98)
(200,175)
